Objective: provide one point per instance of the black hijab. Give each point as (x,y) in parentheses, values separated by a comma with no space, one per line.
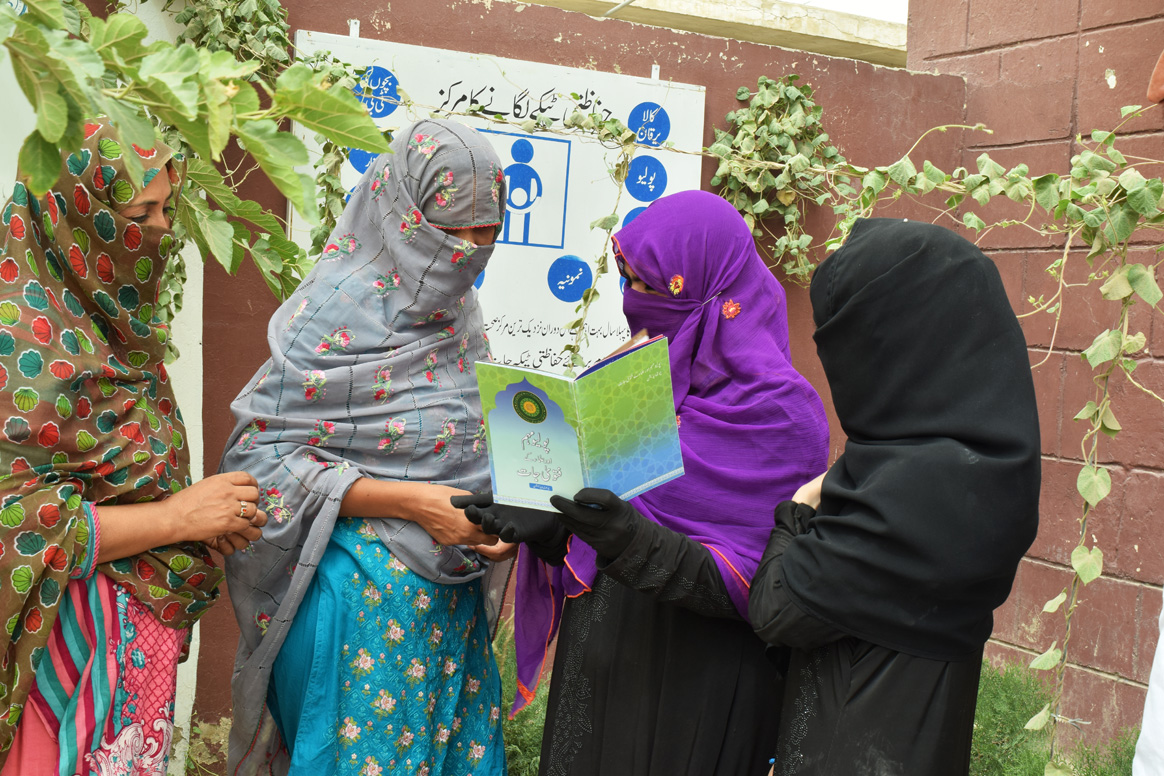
(926,514)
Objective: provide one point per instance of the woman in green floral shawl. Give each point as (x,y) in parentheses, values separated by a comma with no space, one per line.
(102,569)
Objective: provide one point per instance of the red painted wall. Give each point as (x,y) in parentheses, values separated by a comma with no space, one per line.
(1037,74)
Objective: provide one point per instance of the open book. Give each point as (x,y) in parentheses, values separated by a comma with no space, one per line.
(613,427)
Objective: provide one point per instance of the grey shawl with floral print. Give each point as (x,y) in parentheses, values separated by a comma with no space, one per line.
(370,375)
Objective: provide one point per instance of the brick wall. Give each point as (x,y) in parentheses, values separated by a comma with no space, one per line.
(1038,74)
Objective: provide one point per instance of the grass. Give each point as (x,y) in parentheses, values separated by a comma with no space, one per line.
(523,735)
(1007,698)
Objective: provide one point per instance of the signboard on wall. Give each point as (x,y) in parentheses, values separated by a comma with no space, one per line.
(557,185)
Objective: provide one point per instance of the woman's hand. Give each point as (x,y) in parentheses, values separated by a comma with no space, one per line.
(497,552)
(219,507)
(430,506)
(809,492)
(420,502)
(208,511)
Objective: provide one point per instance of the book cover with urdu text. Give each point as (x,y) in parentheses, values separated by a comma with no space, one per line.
(612,427)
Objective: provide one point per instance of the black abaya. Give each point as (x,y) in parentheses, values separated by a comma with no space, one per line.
(656,674)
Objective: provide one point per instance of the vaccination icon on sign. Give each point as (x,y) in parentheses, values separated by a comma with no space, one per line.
(537,177)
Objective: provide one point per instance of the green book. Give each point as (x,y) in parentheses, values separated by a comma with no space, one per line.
(613,427)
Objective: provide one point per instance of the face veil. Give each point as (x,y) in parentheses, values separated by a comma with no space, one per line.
(924,517)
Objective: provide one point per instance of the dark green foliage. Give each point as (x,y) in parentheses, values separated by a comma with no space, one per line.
(523,735)
(1007,698)
(1111,759)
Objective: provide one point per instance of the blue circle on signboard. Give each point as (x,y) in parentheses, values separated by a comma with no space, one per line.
(378,90)
(480,279)
(647,179)
(631,216)
(361,159)
(650,123)
(568,277)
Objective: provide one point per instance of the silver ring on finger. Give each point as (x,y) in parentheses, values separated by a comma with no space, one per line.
(242,509)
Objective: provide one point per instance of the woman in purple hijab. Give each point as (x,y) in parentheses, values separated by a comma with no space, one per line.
(657,670)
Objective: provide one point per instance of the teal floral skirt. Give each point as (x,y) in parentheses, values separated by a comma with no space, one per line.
(384,672)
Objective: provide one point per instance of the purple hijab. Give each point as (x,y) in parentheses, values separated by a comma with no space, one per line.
(751,428)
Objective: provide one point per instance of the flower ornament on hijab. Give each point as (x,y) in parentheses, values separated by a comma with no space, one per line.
(751,428)
(87,412)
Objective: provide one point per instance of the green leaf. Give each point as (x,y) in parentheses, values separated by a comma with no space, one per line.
(1094,484)
(606,222)
(219,236)
(972,221)
(1058,769)
(1121,222)
(1054,604)
(1108,423)
(990,168)
(48,12)
(932,173)
(1104,348)
(1088,411)
(7,23)
(1145,199)
(40,160)
(1124,111)
(1047,191)
(1048,659)
(52,113)
(1132,179)
(902,171)
(743,93)
(120,36)
(170,71)
(1116,286)
(1040,720)
(339,116)
(264,141)
(875,180)
(1143,281)
(1088,564)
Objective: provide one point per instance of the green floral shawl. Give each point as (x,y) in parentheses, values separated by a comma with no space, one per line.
(87,412)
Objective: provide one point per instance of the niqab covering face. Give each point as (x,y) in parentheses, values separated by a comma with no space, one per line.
(926,514)
(370,376)
(751,428)
(87,413)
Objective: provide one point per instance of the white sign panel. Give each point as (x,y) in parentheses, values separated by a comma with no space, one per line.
(557,185)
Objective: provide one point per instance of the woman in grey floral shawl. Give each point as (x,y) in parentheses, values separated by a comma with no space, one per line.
(364,641)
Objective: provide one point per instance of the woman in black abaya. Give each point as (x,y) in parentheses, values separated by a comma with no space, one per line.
(881,577)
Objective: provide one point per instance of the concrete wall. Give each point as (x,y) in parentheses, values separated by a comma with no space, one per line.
(1038,74)
(873,113)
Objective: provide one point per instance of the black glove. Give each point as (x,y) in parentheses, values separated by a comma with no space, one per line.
(793,517)
(542,531)
(599,518)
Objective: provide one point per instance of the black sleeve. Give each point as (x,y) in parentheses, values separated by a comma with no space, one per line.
(673,568)
(774,615)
